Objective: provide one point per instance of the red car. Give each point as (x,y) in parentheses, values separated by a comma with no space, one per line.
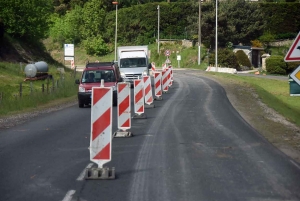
(92,76)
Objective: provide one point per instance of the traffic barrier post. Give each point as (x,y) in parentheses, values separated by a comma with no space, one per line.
(139,108)
(165,84)
(157,84)
(124,110)
(101,133)
(153,68)
(171,73)
(148,92)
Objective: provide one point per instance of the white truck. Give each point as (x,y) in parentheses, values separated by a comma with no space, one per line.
(133,62)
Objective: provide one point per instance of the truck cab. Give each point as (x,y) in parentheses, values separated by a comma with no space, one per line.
(133,62)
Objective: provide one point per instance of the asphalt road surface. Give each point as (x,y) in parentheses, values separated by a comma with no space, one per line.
(193,146)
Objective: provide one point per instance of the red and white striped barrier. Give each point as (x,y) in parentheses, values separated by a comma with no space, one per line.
(139,108)
(124,110)
(101,132)
(168,70)
(101,125)
(157,84)
(148,92)
(153,67)
(164,66)
(165,84)
(171,73)
(72,64)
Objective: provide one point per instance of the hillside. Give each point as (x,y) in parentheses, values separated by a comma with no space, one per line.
(14,51)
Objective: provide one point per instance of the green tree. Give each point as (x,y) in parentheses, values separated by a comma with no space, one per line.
(238,21)
(95,46)
(26,18)
(93,15)
(67,28)
(266,39)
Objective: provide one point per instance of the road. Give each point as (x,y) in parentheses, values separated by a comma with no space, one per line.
(193,146)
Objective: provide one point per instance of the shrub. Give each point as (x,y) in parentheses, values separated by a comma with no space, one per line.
(242,59)
(95,46)
(226,58)
(291,66)
(276,65)
(256,43)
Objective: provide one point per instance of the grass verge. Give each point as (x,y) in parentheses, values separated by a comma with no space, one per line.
(274,93)
(17,95)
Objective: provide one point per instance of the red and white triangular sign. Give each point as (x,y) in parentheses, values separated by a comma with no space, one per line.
(294,52)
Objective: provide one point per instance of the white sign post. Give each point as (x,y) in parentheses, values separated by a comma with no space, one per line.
(178,59)
(69,53)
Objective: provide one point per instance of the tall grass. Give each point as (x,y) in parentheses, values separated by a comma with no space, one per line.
(272,92)
(17,94)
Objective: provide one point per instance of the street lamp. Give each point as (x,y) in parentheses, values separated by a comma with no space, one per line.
(116,33)
(216,45)
(158,29)
(199,34)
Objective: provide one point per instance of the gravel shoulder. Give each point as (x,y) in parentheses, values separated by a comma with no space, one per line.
(271,125)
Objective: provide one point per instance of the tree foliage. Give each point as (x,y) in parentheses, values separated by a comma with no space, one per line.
(238,22)
(67,28)
(95,46)
(82,24)
(26,18)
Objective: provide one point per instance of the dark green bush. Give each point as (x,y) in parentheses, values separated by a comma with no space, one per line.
(242,59)
(291,66)
(276,65)
(226,58)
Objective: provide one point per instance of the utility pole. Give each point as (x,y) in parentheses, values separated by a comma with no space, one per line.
(216,45)
(116,31)
(199,34)
(158,18)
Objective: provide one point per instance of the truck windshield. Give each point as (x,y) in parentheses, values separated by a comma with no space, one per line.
(132,62)
(97,75)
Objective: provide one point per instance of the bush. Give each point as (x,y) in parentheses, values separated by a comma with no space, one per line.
(226,58)
(242,59)
(95,46)
(276,65)
(291,66)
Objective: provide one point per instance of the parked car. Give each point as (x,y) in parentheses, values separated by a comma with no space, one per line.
(92,76)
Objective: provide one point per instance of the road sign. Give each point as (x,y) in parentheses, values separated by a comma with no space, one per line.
(69,58)
(69,50)
(167,53)
(296,75)
(168,61)
(294,52)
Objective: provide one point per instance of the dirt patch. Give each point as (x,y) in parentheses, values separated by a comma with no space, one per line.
(273,126)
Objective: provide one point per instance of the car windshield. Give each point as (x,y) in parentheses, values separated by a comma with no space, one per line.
(95,76)
(132,62)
